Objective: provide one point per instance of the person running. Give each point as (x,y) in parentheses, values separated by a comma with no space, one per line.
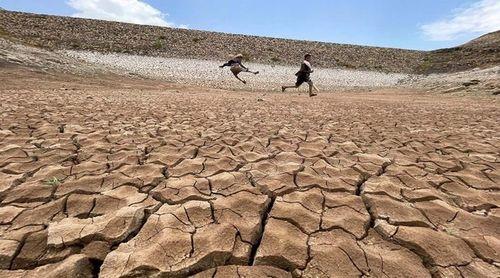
(237,67)
(304,75)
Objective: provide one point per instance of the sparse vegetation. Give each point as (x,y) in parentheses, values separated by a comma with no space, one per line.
(53,181)
(197,40)
(425,66)
(158,44)
(451,231)
(275,60)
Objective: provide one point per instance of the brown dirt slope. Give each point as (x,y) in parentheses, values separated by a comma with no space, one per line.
(56,32)
(83,34)
(479,53)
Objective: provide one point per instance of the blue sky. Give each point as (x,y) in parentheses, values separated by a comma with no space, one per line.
(423,24)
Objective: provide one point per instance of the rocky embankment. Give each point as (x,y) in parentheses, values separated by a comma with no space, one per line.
(481,53)
(56,32)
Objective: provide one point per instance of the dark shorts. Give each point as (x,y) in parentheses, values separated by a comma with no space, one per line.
(301,78)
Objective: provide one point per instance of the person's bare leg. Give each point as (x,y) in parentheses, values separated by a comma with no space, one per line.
(283,88)
(247,70)
(311,86)
(237,77)
(315,88)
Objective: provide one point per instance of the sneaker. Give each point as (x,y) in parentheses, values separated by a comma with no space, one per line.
(313,95)
(283,89)
(256,72)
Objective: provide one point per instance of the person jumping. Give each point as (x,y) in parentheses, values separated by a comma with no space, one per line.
(304,75)
(237,67)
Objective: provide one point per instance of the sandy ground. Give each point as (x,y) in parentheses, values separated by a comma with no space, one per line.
(122,177)
(207,72)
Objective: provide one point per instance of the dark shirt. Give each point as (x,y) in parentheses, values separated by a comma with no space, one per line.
(305,69)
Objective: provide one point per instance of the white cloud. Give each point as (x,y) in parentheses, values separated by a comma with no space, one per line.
(478,18)
(131,11)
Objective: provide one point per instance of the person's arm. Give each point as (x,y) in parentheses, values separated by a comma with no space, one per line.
(228,64)
(243,66)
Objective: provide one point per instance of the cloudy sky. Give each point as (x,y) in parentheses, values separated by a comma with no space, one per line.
(423,24)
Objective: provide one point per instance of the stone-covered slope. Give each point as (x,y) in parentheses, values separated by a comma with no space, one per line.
(104,36)
(55,32)
(479,53)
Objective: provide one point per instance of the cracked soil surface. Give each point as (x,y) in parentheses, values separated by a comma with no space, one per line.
(135,181)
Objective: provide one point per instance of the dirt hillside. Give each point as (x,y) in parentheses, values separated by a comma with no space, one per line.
(479,53)
(56,32)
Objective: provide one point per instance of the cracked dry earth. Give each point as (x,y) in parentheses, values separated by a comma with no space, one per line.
(150,183)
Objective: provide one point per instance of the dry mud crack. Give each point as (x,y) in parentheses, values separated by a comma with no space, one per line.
(135,183)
